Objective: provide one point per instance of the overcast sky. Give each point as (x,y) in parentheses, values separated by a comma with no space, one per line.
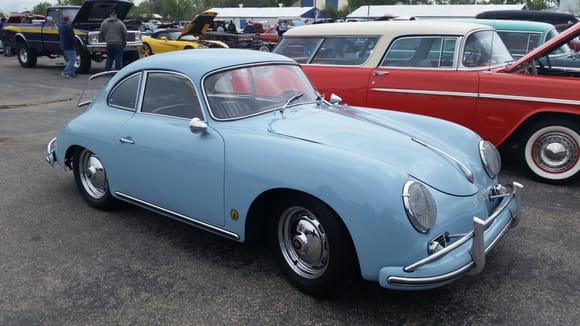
(8,6)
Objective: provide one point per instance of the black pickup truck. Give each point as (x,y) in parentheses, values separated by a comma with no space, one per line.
(40,38)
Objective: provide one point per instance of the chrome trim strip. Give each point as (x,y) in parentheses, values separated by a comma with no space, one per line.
(530,99)
(475,248)
(476,95)
(424,92)
(461,166)
(430,280)
(176,215)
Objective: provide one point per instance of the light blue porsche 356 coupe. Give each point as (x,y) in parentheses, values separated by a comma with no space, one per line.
(239,143)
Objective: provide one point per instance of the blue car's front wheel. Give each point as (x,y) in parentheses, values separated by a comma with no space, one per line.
(91,179)
(312,245)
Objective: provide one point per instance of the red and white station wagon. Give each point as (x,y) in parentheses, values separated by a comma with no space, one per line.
(456,71)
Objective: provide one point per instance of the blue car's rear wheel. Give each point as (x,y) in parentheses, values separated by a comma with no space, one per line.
(91,179)
(312,245)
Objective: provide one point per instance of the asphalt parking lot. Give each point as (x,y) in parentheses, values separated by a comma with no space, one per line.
(63,263)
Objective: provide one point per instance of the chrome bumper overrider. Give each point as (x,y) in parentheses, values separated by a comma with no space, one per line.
(50,157)
(477,251)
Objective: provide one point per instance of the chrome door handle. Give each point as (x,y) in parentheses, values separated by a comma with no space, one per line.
(126,140)
(380,73)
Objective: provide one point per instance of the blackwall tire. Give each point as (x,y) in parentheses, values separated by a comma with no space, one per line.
(82,61)
(26,57)
(312,246)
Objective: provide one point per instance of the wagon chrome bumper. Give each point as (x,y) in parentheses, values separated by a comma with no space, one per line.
(50,155)
(464,256)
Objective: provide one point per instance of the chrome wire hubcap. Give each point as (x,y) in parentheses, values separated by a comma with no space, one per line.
(303,242)
(92,175)
(555,152)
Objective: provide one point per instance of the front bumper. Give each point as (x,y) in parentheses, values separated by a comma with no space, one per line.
(464,256)
(50,152)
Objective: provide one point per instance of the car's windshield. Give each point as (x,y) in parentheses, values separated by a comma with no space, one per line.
(250,90)
(562,50)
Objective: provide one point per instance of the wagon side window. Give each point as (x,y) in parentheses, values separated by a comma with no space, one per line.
(125,93)
(421,52)
(299,49)
(345,50)
(170,94)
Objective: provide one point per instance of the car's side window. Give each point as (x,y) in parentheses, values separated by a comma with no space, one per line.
(345,50)
(520,43)
(421,52)
(299,49)
(125,93)
(170,94)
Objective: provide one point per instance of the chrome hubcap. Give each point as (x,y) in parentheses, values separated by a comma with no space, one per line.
(555,152)
(92,175)
(303,242)
(23,55)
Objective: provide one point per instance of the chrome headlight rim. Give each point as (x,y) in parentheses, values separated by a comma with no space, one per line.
(420,206)
(490,158)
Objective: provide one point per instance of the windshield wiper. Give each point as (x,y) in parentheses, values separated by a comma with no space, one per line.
(292,99)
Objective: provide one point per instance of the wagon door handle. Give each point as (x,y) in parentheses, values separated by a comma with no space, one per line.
(380,73)
(126,140)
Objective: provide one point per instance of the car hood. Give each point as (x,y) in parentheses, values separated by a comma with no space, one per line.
(93,12)
(199,24)
(391,137)
(563,38)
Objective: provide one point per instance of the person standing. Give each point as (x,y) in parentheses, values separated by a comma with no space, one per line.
(114,32)
(67,44)
(5,46)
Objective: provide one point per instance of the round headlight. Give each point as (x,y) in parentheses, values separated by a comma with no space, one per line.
(419,205)
(490,158)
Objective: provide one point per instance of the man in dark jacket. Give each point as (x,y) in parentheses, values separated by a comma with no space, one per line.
(114,32)
(67,43)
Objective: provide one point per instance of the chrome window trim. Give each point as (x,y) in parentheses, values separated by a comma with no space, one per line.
(137,97)
(144,84)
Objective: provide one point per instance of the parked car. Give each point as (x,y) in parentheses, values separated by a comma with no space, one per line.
(190,37)
(456,71)
(244,147)
(521,37)
(560,20)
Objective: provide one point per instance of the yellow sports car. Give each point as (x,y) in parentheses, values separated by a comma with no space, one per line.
(165,40)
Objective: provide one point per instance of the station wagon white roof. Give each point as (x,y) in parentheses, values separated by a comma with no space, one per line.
(386,31)
(389,29)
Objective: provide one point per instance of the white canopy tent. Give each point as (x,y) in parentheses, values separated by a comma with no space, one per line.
(427,11)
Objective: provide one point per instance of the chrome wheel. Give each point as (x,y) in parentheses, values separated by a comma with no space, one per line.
(303,242)
(553,152)
(146,50)
(92,175)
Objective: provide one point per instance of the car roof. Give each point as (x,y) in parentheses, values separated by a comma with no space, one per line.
(513,25)
(537,15)
(197,63)
(387,28)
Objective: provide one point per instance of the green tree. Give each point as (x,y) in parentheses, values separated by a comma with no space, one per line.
(40,8)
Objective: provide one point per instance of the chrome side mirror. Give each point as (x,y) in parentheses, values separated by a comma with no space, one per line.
(197,126)
(335,99)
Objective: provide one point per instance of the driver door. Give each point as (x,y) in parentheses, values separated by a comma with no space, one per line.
(163,162)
